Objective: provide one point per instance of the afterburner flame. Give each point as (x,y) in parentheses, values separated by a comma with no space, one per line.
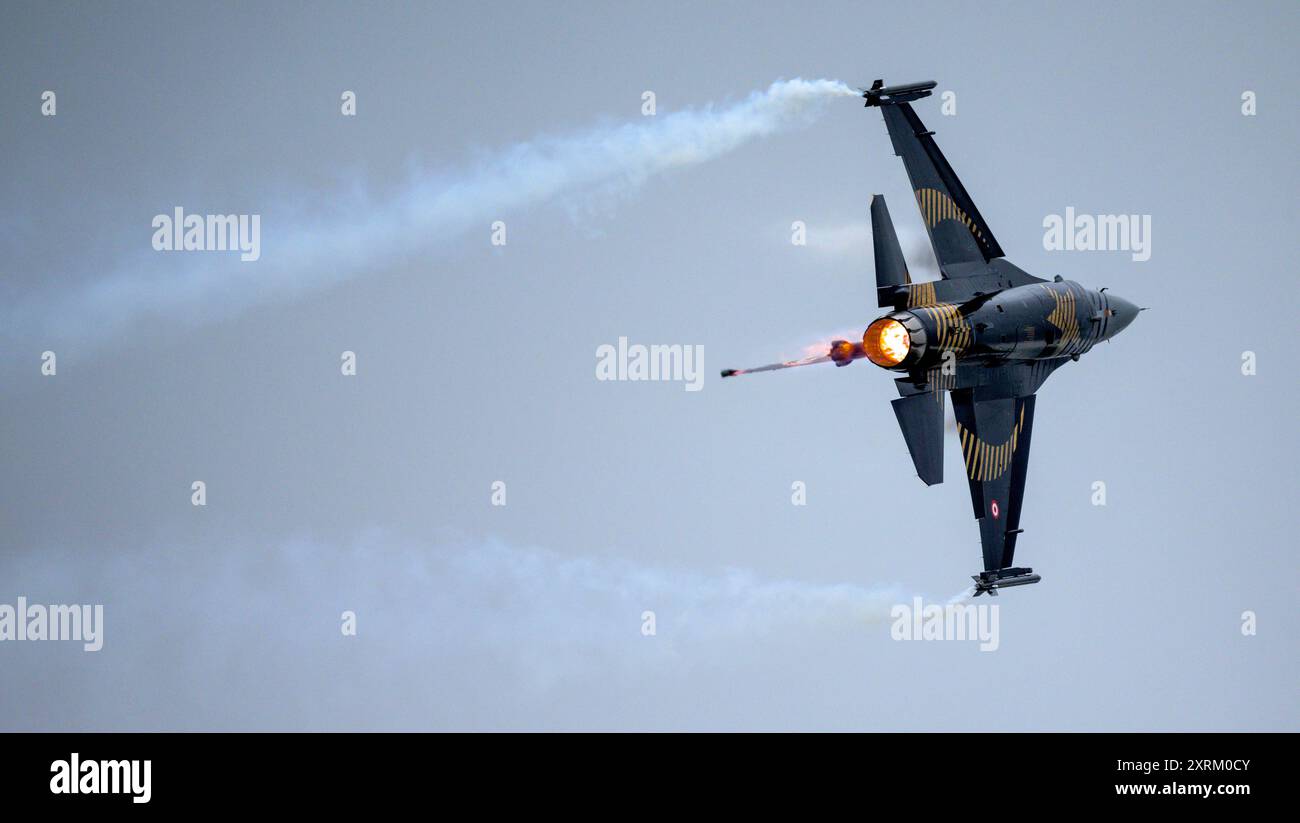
(842,350)
(886,342)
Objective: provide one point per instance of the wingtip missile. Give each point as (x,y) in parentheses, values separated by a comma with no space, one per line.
(840,354)
(989,582)
(881,95)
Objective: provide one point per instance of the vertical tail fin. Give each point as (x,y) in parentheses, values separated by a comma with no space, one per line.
(891,268)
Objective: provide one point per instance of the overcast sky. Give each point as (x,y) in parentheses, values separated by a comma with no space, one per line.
(477,363)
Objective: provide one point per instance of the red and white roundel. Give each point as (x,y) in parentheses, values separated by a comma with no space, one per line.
(993,508)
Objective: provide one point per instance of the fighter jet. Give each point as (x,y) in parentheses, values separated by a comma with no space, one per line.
(987,334)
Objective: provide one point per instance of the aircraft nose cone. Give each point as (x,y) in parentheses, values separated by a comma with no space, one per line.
(1122,313)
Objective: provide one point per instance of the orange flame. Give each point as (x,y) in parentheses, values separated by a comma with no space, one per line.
(886,342)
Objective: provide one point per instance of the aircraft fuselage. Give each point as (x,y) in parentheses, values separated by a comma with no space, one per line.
(1039,321)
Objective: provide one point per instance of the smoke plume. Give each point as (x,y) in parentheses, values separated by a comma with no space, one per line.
(354,233)
(448,634)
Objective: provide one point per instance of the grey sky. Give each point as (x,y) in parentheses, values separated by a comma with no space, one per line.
(476,364)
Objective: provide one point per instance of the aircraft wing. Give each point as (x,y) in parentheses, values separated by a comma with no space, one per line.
(994,436)
(957,231)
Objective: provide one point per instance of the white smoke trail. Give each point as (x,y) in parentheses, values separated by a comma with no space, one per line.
(251,633)
(966,595)
(853,239)
(355,233)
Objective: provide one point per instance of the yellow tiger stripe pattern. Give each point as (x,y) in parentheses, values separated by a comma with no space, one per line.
(986,461)
(1065,316)
(921,294)
(953,332)
(940,383)
(937,206)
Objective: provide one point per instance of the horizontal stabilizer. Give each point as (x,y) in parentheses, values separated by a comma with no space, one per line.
(920,416)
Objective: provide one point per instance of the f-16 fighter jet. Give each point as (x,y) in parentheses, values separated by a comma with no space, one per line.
(987,334)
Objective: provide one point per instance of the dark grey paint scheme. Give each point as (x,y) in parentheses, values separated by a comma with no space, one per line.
(987,333)
(990,335)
